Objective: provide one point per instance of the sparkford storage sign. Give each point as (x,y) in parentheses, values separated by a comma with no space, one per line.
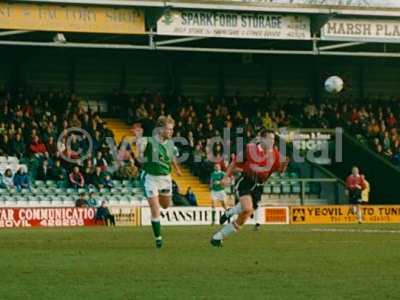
(70,18)
(233,25)
(343,214)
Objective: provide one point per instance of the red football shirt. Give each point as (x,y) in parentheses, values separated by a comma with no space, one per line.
(260,163)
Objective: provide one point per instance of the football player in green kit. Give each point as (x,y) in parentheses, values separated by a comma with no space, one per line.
(158,154)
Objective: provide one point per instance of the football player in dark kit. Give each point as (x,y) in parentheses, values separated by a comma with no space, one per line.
(261,159)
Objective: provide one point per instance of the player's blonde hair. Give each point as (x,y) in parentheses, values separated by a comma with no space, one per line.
(164,121)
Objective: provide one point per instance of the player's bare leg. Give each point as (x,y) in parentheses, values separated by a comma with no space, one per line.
(246,208)
(165,201)
(356,208)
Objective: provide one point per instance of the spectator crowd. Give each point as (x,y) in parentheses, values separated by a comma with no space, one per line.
(36,129)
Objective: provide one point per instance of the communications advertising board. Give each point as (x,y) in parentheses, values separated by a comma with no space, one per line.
(47,217)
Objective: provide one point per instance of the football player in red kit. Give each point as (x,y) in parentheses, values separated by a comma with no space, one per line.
(261,159)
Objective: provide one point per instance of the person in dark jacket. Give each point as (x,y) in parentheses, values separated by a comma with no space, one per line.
(22,180)
(44,173)
(104,214)
(59,174)
(81,202)
(18,146)
(191,197)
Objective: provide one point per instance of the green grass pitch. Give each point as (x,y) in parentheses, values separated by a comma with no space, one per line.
(277,262)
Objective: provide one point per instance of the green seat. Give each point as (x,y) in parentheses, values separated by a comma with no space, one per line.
(51,183)
(117,183)
(284,175)
(267,189)
(44,190)
(39,183)
(82,190)
(286,188)
(124,190)
(127,183)
(293,175)
(25,191)
(276,187)
(296,186)
(59,191)
(104,191)
(136,183)
(274,175)
(70,191)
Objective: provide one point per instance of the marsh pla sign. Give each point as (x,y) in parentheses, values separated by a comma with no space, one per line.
(46,217)
(233,25)
(362,30)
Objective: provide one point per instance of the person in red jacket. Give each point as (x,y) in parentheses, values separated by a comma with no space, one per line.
(355,185)
(37,147)
(76,178)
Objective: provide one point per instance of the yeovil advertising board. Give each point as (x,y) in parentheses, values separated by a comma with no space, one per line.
(343,214)
(233,25)
(71,18)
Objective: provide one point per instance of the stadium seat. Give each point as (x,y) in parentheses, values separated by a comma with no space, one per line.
(127,183)
(267,189)
(117,183)
(12,160)
(39,183)
(51,183)
(286,188)
(82,190)
(296,187)
(276,187)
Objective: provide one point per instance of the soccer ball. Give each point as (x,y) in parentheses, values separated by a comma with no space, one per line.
(334,85)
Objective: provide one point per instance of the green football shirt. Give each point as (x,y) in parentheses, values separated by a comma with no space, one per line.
(158,156)
(216,178)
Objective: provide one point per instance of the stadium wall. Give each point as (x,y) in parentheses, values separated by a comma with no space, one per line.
(96,74)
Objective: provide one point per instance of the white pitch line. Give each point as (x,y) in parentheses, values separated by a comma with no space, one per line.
(347,230)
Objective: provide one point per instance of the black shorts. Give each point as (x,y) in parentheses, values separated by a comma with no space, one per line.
(247,186)
(355,197)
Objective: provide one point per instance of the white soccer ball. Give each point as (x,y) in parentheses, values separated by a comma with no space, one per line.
(334,84)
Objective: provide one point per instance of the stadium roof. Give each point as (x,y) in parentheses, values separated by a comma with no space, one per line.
(352,7)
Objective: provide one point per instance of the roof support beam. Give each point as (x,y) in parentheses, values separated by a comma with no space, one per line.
(179,40)
(338,46)
(13,32)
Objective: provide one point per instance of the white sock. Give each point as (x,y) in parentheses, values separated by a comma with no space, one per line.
(359,215)
(257,215)
(237,209)
(228,229)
